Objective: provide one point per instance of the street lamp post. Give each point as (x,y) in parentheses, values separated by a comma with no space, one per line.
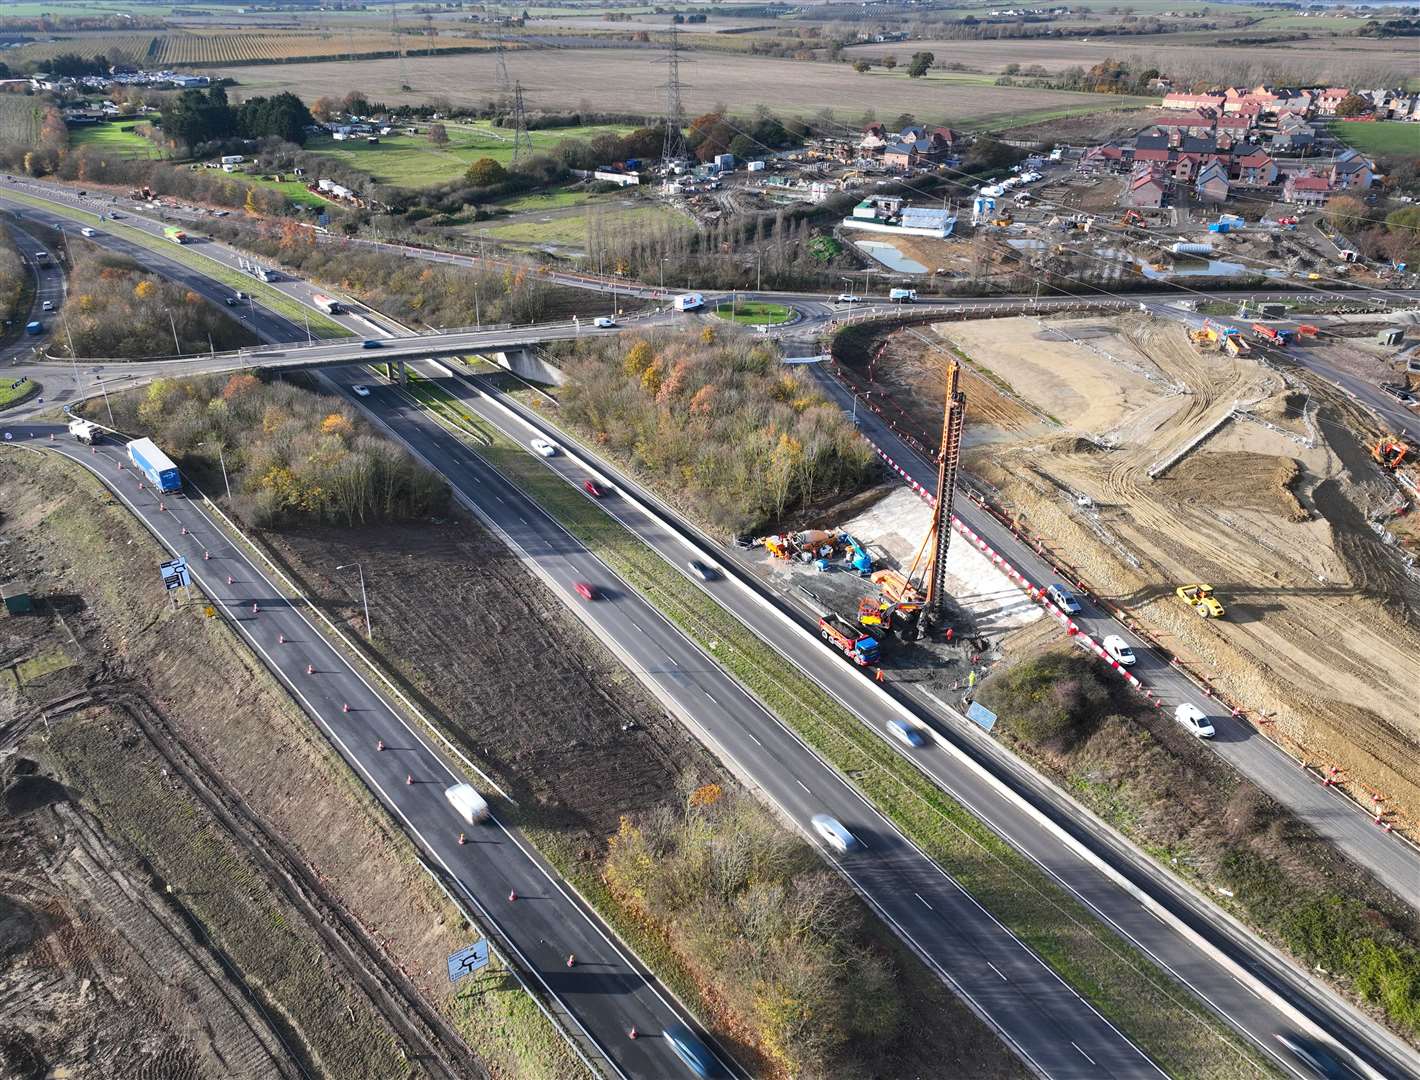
(364,599)
(220,457)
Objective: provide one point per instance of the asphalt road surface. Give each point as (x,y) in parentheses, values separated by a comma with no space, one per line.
(1215,982)
(607,991)
(1040,1016)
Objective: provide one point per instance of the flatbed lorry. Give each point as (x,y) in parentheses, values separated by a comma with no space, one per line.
(859,647)
(85,431)
(155,465)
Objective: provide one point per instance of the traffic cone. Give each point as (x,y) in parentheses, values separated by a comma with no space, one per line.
(462,841)
(229,579)
(409,778)
(51,436)
(512,895)
(206,555)
(632,1032)
(310,669)
(184,530)
(162,506)
(571,959)
(345,707)
(380,744)
(281,639)
(255,608)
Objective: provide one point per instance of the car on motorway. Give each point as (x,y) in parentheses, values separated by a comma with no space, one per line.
(360,391)
(115,215)
(584,590)
(1195,720)
(832,832)
(704,571)
(86,231)
(48,305)
(373,343)
(543,447)
(603,322)
(592,488)
(230,301)
(1316,1057)
(694,1053)
(1063,598)
(1119,650)
(847,298)
(906,733)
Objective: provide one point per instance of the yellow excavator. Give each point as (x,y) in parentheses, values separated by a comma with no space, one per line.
(1201,599)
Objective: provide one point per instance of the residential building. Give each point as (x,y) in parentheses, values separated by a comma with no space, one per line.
(1330,98)
(1307,190)
(1189,102)
(1256,170)
(1211,184)
(1350,171)
(1146,187)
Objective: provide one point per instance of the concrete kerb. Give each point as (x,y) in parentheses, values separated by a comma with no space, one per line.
(487,920)
(1084,853)
(618,945)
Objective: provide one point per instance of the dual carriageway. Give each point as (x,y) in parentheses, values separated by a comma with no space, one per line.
(1057,1032)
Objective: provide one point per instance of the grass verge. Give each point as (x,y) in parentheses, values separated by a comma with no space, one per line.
(272,299)
(12,393)
(753,312)
(1163,1017)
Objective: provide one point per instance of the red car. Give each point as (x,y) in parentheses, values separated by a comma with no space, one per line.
(585,591)
(592,488)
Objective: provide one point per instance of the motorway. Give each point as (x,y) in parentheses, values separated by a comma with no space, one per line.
(1194,969)
(1037,1013)
(497,872)
(1170,943)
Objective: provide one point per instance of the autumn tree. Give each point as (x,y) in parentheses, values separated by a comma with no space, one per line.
(1352,105)
(485,172)
(438,134)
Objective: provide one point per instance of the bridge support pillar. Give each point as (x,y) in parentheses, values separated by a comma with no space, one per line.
(403,374)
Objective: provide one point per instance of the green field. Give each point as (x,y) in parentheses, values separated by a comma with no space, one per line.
(117,138)
(570,230)
(413,161)
(754,312)
(292,189)
(14,394)
(19,119)
(546,200)
(1384,137)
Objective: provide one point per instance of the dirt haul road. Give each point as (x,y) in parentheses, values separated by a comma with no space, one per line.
(1320,636)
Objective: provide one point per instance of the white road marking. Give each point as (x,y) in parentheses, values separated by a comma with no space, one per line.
(1082,1053)
(753,739)
(928,906)
(997,970)
(802,784)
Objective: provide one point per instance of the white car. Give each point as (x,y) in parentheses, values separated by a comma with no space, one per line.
(1195,720)
(86,231)
(48,305)
(361,391)
(1119,649)
(703,571)
(847,298)
(543,447)
(832,832)
(603,322)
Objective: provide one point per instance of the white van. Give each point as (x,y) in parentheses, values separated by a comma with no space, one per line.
(603,322)
(689,301)
(471,806)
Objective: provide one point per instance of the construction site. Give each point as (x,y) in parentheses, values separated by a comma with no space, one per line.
(1172,468)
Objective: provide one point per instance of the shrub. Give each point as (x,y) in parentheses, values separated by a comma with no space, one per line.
(1052,701)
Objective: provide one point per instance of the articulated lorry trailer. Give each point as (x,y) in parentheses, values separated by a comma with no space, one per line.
(155,465)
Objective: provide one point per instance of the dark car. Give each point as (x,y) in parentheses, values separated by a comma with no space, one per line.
(373,343)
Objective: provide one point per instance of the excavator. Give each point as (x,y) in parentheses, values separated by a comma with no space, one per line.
(1201,599)
(1390,450)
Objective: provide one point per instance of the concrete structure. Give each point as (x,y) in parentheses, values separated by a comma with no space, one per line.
(612,176)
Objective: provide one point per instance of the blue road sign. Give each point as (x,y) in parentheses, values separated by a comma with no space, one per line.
(985,717)
(468,960)
(175,575)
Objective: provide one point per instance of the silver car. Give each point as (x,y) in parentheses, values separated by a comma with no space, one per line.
(832,833)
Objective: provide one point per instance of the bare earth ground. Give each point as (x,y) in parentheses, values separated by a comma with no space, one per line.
(1319,636)
(629,80)
(201,788)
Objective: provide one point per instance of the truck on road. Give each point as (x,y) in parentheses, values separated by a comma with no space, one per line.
(327,304)
(903,296)
(86,431)
(176,235)
(689,301)
(155,465)
(859,647)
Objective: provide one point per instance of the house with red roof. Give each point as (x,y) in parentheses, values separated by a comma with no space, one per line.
(1307,190)
(1146,187)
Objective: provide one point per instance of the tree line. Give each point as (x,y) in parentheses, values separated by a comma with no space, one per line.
(716,423)
(291,454)
(116,308)
(198,117)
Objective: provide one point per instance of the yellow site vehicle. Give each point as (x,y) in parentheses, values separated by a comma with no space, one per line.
(1201,599)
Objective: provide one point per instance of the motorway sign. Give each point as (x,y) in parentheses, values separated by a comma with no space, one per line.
(468,960)
(985,717)
(175,575)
